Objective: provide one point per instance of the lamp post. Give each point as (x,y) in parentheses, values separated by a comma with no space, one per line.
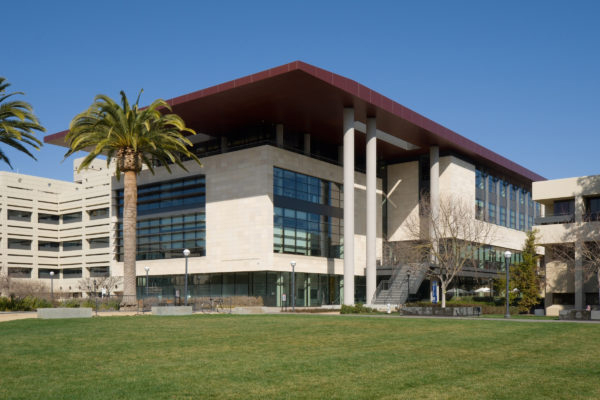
(52,287)
(293,264)
(408,284)
(147,270)
(96,296)
(507,255)
(186,253)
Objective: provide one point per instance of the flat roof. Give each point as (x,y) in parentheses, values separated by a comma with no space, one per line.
(305,98)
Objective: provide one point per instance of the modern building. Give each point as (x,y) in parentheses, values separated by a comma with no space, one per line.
(569,230)
(51,226)
(301,164)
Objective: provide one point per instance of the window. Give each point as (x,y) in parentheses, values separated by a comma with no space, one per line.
(17,272)
(564,207)
(479,209)
(71,245)
(513,224)
(72,273)
(503,216)
(98,243)
(521,221)
(303,187)
(48,219)
(492,184)
(300,232)
(71,217)
(186,193)
(99,272)
(19,244)
(492,213)
(479,180)
(18,215)
(45,273)
(166,237)
(98,213)
(48,246)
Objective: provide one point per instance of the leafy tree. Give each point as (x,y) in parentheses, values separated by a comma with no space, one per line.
(524,275)
(17,123)
(133,137)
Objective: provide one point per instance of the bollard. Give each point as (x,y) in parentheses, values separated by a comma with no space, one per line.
(389,308)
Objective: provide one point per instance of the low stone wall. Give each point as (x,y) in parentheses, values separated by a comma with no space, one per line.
(169,311)
(595,315)
(444,312)
(575,315)
(54,313)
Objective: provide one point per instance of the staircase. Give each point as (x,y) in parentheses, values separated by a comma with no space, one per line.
(395,289)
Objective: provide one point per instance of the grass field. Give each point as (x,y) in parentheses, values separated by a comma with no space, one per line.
(297,356)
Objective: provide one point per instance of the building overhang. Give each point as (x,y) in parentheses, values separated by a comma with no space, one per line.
(308,99)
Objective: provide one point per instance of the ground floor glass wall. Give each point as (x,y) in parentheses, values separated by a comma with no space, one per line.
(312,290)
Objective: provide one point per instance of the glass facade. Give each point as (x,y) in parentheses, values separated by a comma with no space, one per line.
(179,194)
(502,203)
(311,290)
(307,215)
(165,236)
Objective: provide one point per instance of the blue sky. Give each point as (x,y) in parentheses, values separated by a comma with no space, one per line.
(519,77)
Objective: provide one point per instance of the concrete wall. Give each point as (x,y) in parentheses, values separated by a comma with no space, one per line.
(49,196)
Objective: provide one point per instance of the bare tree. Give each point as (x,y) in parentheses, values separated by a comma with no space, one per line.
(92,285)
(448,238)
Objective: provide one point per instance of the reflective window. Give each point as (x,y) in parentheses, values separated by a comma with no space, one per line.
(48,246)
(167,237)
(48,219)
(303,187)
(71,245)
(162,196)
(99,213)
(299,232)
(98,243)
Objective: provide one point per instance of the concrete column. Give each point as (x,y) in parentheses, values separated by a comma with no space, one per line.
(579,208)
(371,208)
(348,206)
(434,191)
(307,144)
(517,206)
(527,197)
(508,189)
(279,134)
(223,144)
(498,184)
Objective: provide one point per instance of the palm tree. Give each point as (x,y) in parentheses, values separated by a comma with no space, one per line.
(132,136)
(17,123)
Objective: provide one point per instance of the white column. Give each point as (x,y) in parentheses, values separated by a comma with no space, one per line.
(307,144)
(434,191)
(371,208)
(348,206)
(279,135)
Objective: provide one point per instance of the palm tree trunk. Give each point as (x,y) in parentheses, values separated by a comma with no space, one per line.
(129,239)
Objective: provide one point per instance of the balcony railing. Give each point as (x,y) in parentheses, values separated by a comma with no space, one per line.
(555,219)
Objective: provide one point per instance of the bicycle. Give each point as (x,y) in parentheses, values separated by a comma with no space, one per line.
(213,305)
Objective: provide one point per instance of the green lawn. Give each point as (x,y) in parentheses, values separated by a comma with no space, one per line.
(297,356)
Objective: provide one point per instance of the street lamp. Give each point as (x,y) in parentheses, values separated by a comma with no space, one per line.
(293,264)
(408,284)
(186,253)
(507,255)
(52,286)
(147,269)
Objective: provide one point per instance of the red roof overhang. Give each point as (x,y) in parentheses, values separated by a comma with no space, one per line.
(308,99)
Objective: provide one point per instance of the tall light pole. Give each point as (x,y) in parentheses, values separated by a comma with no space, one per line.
(147,270)
(293,264)
(408,284)
(52,287)
(507,255)
(186,253)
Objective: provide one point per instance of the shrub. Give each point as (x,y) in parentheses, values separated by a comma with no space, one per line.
(27,303)
(358,308)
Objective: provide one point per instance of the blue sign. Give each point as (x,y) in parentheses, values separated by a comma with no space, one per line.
(434,292)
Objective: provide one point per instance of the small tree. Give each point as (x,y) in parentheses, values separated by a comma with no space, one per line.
(91,285)
(452,240)
(524,275)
